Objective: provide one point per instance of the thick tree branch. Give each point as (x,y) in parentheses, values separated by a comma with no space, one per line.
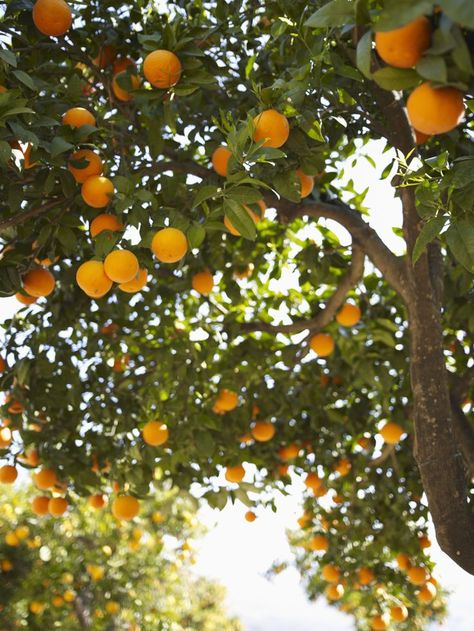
(324,317)
(20,218)
(464,436)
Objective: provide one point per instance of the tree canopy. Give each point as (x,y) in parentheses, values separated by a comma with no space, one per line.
(168,173)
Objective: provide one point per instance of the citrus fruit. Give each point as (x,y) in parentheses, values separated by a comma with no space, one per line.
(39,505)
(203,282)
(38,282)
(220,160)
(103,222)
(391,433)
(162,68)
(235,474)
(45,479)
(404,46)
(121,266)
(77,117)
(271,127)
(263,431)
(348,315)
(169,245)
(121,93)
(97,191)
(92,279)
(155,433)
(306,183)
(137,283)
(250,516)
(8,474)
(57,506)
(322,344)
(52,17)
(435,110)
(125,507)
(91,161)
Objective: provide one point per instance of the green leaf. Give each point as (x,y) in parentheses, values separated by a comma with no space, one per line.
(240,219)
(460,11)
(364,54)
(397,13)
(430,231)
(286,185)
(390,78)
(5,151)
(244,194)
(196,235)
(334,13)
(59,145)
(25,79)
(8,57)
(205,192)
(433,68)
(460,239)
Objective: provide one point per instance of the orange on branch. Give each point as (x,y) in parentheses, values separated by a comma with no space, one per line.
(137,283)
(203,282)
(427,593)
(331,573)
(57,506)
(77,117)
(8,474)
(220,160)
(155,433)
(38,283)
(348,315)
(319,543)
(417,575)
(123,94)
(93,165)
(25,300)
(250,516)
(39,505)
(235,474)
(121,266)
(313,481)
(399,613)
(162,68)
(322,344)
(106,56)
(97,191)
(403,561)
(380,623)
(289,452)
(52,17)
(365,575)
(102,222)
(263,431)
(403,47)
(92,279)
(343,467)
(97,501)
(271,127)
(420,137)
(169,245)
(392,433)
(254,216)
(45,479)
(125,507)
(435,110)
(334,592)
(227,400)
(306,183)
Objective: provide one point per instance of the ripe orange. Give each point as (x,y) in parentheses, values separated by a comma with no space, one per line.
(348,315)
(272,127)
(25,300)
(121,266)
(11,539)
(8,474)
(263,431)
(420,137)
(27,164)
(169,245)
(97,191)
(319,543)
(38,282)
(203,282)
(92,279)
(227,400)
(112,607)
(31,458)
(306,183)
(105,56)
(102,222)
(155,433)
(334,592)
(125,507)
(93,165)
(391,433)
(235,474)
(380,623)
(122,64)
(343,467)
(399,613)
(403,47)
(3,365)
(5,437)
(313,481)
(427,593)
(250,516)
(322,344)
(331,573)
(45,479)
(123,94)
(137,283)
(255,217)
(417,575)
(36,607)
(15,407)
(403,561)
(283,470)
(424,541)
(289,452)
(365,575)
(77,117)
(57,506)
(97,501)
(435,111)
(220,160)
(52,17)
(162,68)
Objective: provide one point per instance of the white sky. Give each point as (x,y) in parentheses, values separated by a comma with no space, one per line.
(238,553)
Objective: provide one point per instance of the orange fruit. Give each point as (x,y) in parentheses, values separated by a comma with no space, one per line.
(137,283)
(289,452)
(322,344)
(125,507)
(97,501)
(313,481)
(399,613)
(250,516)
(110,329)
(227,400)
(8,474)
(162,68)
(78,116)
(417,575)
(420,137)
(155,433)
(92,279)
(283,470)
(97,191)
(203,282)
(3,365)
(348,315)
(15,407)
(93,165)
(271,127)
(365,575)
(25,300)
(45,479)
(263,431)
(57,506)
(235,474)
(123,94)
(255,217)
(105,56)
(427,593)
(11,539)
(5,437)
(403,561)
(27,164)
(380,623)
(331,573)
(435,111)
(38,282)
(391,433)
(306,183)
(220,160)
(31,458)
(343,467)
(122,64)
(121,266)
(102,222)
(52,17)
(319,543)
(403,47)
(39,505)
(169,245)
(112,607)
(334,592)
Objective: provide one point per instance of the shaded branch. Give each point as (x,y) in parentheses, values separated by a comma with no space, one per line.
(464,434)
(387,451)
(20,218)
(324,317)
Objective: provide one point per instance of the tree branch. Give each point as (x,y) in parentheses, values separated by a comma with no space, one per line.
(324,317)
(20,218)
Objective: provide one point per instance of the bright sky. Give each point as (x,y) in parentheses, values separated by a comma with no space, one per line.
(238,553)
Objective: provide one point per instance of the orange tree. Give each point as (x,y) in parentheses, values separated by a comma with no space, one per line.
(140,144)
(88,571)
